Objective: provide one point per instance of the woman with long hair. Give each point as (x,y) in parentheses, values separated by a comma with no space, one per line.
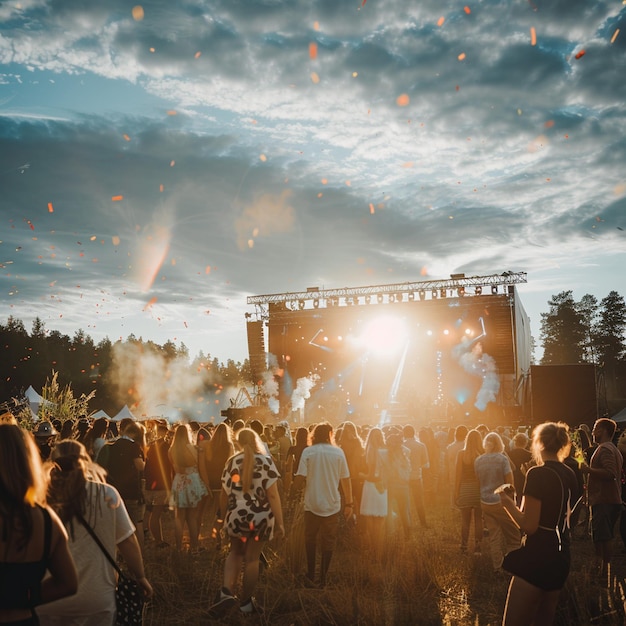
(467,490)
(301,441)
(187,487)
(253,515)
(352,446)
(32,538)
(96,437)
(374,506)
(212,456)
(540,568)
(79,495)
(398,474)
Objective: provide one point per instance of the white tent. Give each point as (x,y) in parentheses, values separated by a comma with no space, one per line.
(125,412)
(620,417)
(35,400)
(100,414)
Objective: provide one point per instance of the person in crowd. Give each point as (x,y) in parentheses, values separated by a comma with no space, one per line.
(96,437)
(398,474)
(253,515)
(45,434)
(188,489)
(212,457)
(418,456)
(123,459)
(467,490)
(67,429)
(493,469)
(430,474)
(352,445)
(452,450)
(374,500)
(33,540)
(301,441)
(540,568)
(158,473)
(81,428)
(519,456)
(604,490)
(79,495)
(282,444)
(323,469)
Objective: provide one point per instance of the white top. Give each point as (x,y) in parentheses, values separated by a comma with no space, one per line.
(323,465)
(108,517)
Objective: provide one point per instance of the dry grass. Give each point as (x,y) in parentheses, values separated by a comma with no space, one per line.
(423,581)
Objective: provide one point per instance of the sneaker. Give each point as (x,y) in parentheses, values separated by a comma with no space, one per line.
(251,608)
(223,603)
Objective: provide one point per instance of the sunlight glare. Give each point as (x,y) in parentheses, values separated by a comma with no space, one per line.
(384,335)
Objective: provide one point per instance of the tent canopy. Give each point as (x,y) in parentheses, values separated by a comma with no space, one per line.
(100,414)
(125,412)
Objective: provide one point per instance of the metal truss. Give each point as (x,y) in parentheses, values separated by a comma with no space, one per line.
(456,285)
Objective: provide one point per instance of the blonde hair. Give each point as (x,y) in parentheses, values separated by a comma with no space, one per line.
(179,449)
(22,481)
(250,444)
(552,437)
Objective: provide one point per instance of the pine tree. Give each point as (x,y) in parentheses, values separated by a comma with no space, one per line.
(563,331)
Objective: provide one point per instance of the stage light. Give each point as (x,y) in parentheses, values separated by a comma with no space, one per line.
(301,304)
(442,293)
(494,290)
(411,296)
(434,294)
(446,332)
(368,299)
(461,291)
(478,291)
(399,297)
(384,335)
(392,298)
(422,294)
(379,298)
(316,303)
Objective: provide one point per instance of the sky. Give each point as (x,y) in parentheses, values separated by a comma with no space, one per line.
(159,163)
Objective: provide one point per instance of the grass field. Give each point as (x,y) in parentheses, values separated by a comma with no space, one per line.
(422,581)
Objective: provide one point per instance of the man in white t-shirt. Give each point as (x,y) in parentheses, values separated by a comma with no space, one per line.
(324,467)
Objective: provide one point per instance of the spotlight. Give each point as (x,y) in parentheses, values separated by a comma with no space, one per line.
(434,294)
(399,297)
(461,291)
(411,296)
(478,291)
(442,293)
(368,299)
(494,290)
(301,304)
(422,294)
(316,304)
(379,298)
(392,298)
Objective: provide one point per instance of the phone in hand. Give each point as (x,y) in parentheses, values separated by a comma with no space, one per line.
(506,488)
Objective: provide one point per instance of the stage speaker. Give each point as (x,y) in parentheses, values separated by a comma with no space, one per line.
(564,393)
(256,349)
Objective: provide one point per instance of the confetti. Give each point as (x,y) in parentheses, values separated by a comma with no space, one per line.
(408,164)
(151,49)
(250,243)
(320,195)
(316,25)
(441,21)
(461,56)
(50,208)
(355,74)
(533,36)
(115,240)
(263,158)
(615,34)
(207,269)
(580,54)
(161,188)
(324,181)
(372,209)
(117,198)
(126,137)
(151,303)
(138,13)
(172,163)
(315,78)
(313,50)
(467,9)
(172,112)
(549,124)
(402,100)
(197,55)
(32,226)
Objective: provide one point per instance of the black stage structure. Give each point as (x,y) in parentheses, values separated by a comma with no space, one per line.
(454,350)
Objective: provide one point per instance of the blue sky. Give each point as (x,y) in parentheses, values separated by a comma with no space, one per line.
(158,166)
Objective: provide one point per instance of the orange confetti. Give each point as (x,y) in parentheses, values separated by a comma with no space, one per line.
(549,124)
(324,181)
(32,226)
(615,34)
(467,9)
(316,25)
(372,209)
(151,49)
(364,1)
(92,238)
(315,78)
(441,21)
(408,164)
(320,194)
(138,13)
(50,208)
(161,188)
(117,198)
(533,36)
(172,163)
(402,100)
(313,50)
(115,240)
(580,54)
(461,56)
(236,478)
(172,112)
(263,158)
(355,74)
(424,271)
(151,303)
(207,269)
(197,55)
(126,137)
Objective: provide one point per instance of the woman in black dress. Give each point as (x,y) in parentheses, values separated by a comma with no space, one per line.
(541,566)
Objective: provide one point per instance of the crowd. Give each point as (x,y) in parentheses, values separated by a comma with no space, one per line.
(71,493)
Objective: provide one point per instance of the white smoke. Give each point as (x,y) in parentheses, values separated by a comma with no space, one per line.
(269,386)
(302,392)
